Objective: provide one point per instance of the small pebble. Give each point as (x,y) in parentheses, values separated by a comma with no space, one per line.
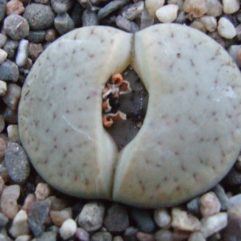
(42,191)
(195,8)
(12,131)
(91,216)
(63,23)
(226,29)
(3,40)
(130,233)
(10,47)
(209,204)
(197,24)
(162,218)
(37,36)
(28,202)
(9,71)
(76,14)
(8,201)
(82,235)
(3,146)
(22,53)
(101,236)
(56,203)
(61,6)
(153,5)
(111,7)
(164,235)
(222,196)
(214,224)
(2,9)
(145,237)
(16,27)
(183,221)
(197,236)
(89,18)
(145,20)
(2,123)
(42,1)
(3,88)
(39,16)
(20,224)
(3,55)
(68,229)
(10,116)
(50,35)
(116,219)
(23,238)
(11,98)
(14,6)
(118,238)
(209,22)
(58,217)
(3,221)
(214,8)
(143,220)
(48,236)
(167,13)
(132,11)
(38,214)
(16,162)
(231,6)
(126,24)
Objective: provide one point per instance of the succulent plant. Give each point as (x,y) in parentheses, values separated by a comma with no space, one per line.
(191,134)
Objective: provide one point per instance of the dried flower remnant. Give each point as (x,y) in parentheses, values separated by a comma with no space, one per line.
(113,89)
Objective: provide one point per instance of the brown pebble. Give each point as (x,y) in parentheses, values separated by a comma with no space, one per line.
(14,6)
(57,204)
(58,217)
(42,191)
(28,202)
(209,204)
(34,50)
(3,146)
(51,35)
(2,184)
(8,202)
(145,237)
(12,97)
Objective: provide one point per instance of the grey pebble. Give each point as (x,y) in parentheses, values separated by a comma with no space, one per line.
(193,206)
(37,36)
(116,219)
(233,178)
(39,16)
(132,11)
(37,217)
(130,234)
(164,235)
(61,6)
(101,236)
(3,40)
(111,7)
(9,71)
(10,47)
(89,18)
(63,23)
(16,162)
(222,196)
(126,24)
(47,236)
(2,9)
(145,20)
(11,98)
(3,221)
(10,116)
(16,27)
(143,220)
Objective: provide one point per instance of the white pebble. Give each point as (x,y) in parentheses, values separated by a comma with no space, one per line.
(231,6)
(153,5)
(167,14)
(3,55)
(23,238)
(209,22)
(226,29)
(214,7)
(197,24)
(209,204)
(214,224)
(22,53)
(20,224)
(162,218)
(12,131)
(3,88)
(68,229)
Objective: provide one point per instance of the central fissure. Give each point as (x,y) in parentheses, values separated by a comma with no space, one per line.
(123,114)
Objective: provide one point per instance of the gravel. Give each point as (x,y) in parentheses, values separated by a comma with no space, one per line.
(11,98)
(68,229)
(39,16)
(3,55)
(10,47)
(61,6)
(9,71)
(37,36)
(167,14)
(2,9)
(101,236)
(89,18)
(63,23)
(226,28)
(16,27)
(22,53)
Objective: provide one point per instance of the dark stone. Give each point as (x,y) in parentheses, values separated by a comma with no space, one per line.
(2,9)
(233,178)
(37,36)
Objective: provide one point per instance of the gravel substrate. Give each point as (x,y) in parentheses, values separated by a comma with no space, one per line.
(32,210)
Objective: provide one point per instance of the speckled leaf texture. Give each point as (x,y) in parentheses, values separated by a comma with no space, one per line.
(191,135)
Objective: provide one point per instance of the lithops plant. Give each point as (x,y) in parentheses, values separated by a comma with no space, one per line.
(191,134)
